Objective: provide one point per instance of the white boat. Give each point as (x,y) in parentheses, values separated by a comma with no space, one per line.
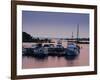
(47,47)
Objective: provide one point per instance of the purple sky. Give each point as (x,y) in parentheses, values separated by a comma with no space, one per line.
(56,25)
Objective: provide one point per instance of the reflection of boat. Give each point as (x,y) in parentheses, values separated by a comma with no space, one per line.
(70,58)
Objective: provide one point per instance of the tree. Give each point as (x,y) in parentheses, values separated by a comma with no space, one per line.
(26,37)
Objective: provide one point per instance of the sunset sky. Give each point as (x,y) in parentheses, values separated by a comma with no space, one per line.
(55,24)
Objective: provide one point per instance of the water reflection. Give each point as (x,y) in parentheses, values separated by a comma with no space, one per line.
(57,61)
(48,61)
(71,57)
(36,57)
(71,60)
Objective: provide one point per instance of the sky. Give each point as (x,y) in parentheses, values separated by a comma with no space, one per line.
(55,24)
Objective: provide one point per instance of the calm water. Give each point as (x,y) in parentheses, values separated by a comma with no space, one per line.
(81,60)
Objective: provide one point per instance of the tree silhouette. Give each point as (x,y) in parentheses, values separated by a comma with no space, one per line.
(26,37)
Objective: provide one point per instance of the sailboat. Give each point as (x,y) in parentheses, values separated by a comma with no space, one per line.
(72,47)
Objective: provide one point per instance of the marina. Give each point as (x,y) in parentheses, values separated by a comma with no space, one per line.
(61,52)
(57,49)
(50,42)
(57,61)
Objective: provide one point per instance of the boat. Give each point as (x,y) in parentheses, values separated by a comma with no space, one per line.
(23,51)
(60,51)
(59,44)
(72,49)
(53,50)
(36,50)
(39,51)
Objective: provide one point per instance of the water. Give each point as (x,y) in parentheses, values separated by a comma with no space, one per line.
(53,61)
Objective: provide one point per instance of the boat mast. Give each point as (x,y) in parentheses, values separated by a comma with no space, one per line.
(72,36)
(77,32)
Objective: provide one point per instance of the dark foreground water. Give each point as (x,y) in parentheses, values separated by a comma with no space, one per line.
(53,61)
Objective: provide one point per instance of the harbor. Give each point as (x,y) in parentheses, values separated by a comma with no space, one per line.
(82,59)
(55,39)
(55,52)
(54,49)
